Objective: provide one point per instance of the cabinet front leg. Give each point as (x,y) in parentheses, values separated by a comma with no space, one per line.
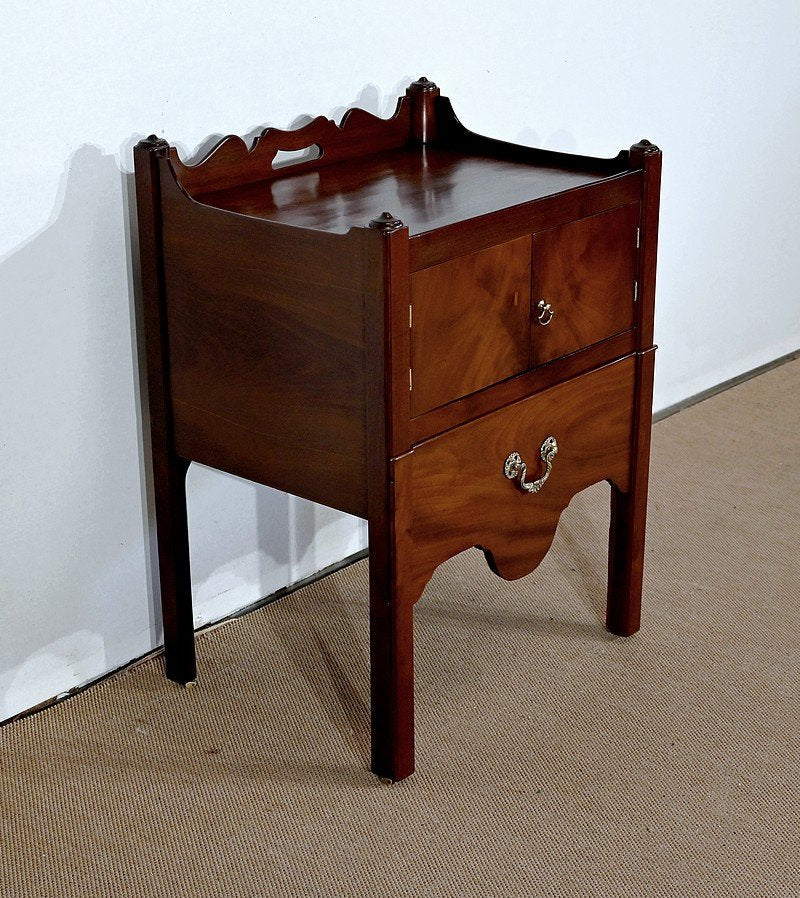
(174,571)
(625,561)
(391,676)
(629,513)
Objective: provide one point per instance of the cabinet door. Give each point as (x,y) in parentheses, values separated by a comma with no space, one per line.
(584,275)
(469,323)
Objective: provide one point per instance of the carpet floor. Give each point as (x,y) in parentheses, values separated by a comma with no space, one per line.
(553,759)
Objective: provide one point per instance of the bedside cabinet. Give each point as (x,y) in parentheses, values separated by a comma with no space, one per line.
(445,334)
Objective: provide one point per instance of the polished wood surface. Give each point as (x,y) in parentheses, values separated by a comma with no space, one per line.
(469,323)
(461,498)
(427,188)
(356,329)
(586,271)
(174,584)
(266,350)
(492,228)
(629,513)
(629,509)
(646,156)
(231,163)
(391,614)
(475,405)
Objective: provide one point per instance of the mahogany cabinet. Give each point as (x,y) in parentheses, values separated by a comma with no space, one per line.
(445,334)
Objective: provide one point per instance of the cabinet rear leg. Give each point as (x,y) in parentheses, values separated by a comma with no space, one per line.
(391,677)
(174,571)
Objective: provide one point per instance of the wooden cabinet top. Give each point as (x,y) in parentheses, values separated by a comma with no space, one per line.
(421,165)
(425,187)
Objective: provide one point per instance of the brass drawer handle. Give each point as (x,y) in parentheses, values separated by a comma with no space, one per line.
(515,467)
(546,313)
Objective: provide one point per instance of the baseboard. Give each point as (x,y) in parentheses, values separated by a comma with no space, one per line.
(287,590)
(725,385)
(141,659)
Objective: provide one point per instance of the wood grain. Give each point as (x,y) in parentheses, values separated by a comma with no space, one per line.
(468,408)
(586,271)
(279,347)
(629,512)
(266,349)
(461,498)
(391,613)
(470,323)
(647,156)
(452,132)
(629,509)
(231,163)
(426,187)
(169,470)
(424,95)
(487,229)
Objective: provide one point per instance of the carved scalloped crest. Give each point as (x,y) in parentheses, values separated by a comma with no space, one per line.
(232,163)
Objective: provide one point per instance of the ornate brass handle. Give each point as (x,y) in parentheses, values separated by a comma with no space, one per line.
(516,469)
(546,313)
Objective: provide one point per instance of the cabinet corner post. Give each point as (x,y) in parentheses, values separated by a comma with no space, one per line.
(391,606)
(646,156)
(629,509)
(423,94)
(168,470)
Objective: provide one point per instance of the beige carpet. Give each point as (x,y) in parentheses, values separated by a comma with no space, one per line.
(553,759)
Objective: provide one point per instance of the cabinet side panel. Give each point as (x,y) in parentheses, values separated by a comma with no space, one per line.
(266,349)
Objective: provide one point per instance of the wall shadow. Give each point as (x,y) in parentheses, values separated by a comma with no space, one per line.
(81,552)
(72,556)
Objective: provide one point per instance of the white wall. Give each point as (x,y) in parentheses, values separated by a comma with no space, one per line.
(714,83)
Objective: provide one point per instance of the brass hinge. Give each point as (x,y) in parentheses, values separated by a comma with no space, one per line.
(635,291)
(410,314)
(638,237)
(410,381)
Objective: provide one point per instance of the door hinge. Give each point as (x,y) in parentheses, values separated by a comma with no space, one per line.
(635,291)
(410,314)
(410,381)
(638,237)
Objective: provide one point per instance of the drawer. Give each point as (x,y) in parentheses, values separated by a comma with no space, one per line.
(466,492)
(469,323)
(584,275)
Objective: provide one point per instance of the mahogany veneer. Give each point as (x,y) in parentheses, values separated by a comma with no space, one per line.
(469,322)
(454,369)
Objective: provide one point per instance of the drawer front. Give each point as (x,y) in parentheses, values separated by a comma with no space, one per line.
(583,282)
(467,489)
(469,323)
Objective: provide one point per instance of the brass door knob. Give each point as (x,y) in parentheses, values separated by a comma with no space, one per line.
(546,313)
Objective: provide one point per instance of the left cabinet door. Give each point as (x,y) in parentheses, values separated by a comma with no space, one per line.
(469,323)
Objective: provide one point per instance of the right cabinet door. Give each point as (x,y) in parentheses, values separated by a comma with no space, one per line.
(584,282)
